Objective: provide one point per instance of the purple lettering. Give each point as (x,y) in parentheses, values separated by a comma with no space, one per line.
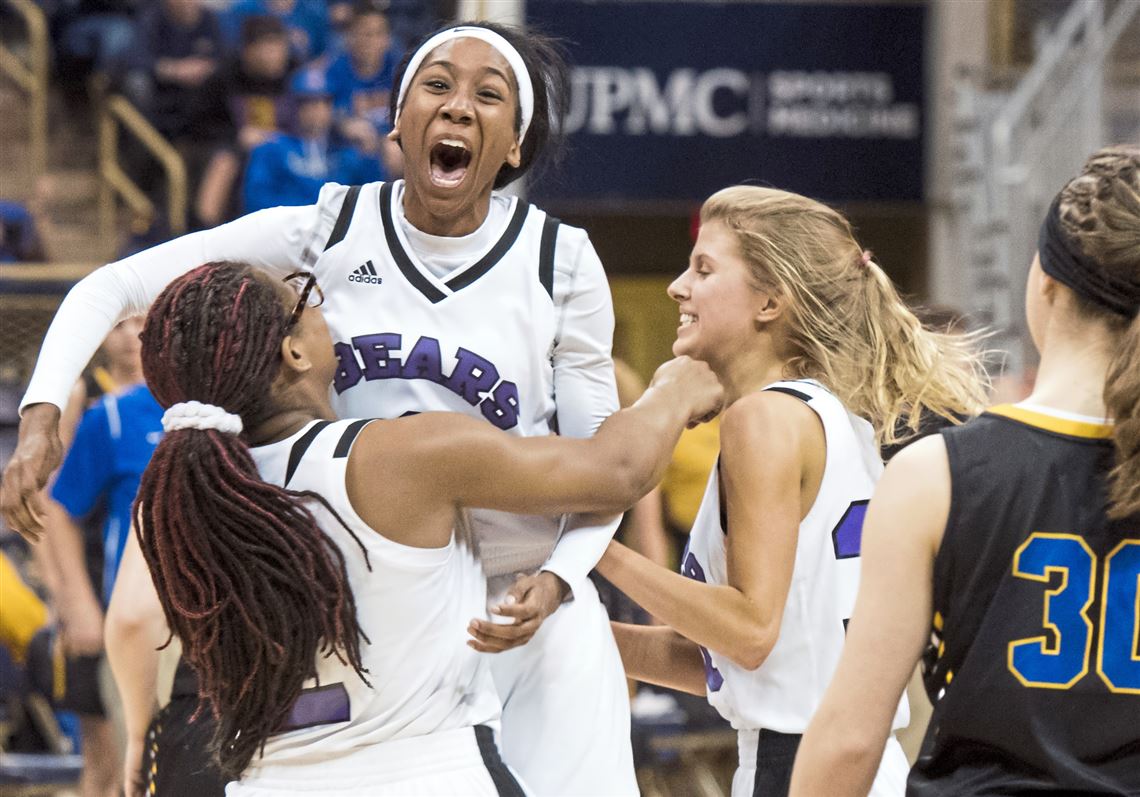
(472,375)
(348,374)
(422,361)
(502,409)
(376,354)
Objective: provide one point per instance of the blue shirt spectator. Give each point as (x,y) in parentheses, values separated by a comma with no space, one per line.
(104,465)
(360,80)
(19,238)
(307,21)
(363,96)
(290,169)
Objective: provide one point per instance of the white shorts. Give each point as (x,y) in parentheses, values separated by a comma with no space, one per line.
(435,765)
(566,705)
(890,781)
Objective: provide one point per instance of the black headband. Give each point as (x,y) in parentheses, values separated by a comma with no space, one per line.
(1062,259)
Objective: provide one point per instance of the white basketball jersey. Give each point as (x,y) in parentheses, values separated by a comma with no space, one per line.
(413,605)
(783,693)
(477,341)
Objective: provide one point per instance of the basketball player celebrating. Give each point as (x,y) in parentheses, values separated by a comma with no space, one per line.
(325,616)
(1019,534)
(820,360)
(441,294)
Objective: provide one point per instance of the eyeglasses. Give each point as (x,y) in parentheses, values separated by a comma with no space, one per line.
(309,294)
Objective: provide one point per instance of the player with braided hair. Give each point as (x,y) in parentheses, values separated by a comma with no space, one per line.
(444,293)
(318,572)
(1006,552)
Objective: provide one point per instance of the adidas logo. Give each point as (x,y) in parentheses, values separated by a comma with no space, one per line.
(366,274)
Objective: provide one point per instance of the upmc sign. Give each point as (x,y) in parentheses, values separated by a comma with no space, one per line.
(673,100)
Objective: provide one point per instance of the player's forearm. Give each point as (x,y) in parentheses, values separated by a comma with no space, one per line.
(718,617)
(75,596)
(134,663)
(660,656)
(273,239)
(837,758)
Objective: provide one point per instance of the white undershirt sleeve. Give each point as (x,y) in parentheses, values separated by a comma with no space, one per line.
(585,391)
(279,240)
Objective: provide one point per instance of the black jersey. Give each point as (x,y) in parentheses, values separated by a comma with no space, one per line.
(1034,663)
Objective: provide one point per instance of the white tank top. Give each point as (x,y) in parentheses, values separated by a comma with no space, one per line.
(477,340)
(414,606)
(783,693)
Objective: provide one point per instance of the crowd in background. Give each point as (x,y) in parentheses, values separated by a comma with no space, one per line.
(265,99)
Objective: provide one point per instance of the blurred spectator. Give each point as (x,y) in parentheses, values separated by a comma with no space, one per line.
(181,44)
(24,613)
(361,83)
(100,475)
(102,34)
(20,240)
(412,20)
(290,169)
(240,107)
(307,23)
(687,475)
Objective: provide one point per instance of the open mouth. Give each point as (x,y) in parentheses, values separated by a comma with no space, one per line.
(687,319)
(449,162)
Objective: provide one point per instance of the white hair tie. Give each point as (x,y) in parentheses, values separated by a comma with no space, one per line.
(504,48)
(196,415)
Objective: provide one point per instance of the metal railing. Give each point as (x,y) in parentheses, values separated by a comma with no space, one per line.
(115,112)
(1017,149)
(32,79)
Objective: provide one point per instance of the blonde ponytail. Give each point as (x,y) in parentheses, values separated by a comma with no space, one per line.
(848,326)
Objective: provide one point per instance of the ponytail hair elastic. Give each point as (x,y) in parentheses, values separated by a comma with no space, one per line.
(196,415)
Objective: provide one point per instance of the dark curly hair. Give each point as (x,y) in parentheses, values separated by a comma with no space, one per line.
(246,578)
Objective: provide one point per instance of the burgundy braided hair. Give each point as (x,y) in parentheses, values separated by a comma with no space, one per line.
(247,580)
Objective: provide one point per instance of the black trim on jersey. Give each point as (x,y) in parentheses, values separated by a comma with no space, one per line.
(804,397)
(488,261)
(503,778)
(721,500)
(403,262)
(344,218)
(546,254)
(300,447)
(345,443)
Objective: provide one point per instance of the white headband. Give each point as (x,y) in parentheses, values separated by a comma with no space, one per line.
(505,49)
(196,415)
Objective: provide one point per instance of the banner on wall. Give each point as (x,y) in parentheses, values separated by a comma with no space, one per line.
(672,100)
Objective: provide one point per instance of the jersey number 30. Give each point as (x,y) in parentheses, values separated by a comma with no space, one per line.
(1060,662)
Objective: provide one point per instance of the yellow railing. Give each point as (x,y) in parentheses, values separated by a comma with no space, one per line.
(116,112)
(32,79)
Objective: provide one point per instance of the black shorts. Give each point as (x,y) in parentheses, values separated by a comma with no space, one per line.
(69,682)
(177,761)
(775,755)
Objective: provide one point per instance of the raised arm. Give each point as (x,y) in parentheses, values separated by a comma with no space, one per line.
(841,750)
(278,239)
(767,440)
(585,391)
(444,461)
